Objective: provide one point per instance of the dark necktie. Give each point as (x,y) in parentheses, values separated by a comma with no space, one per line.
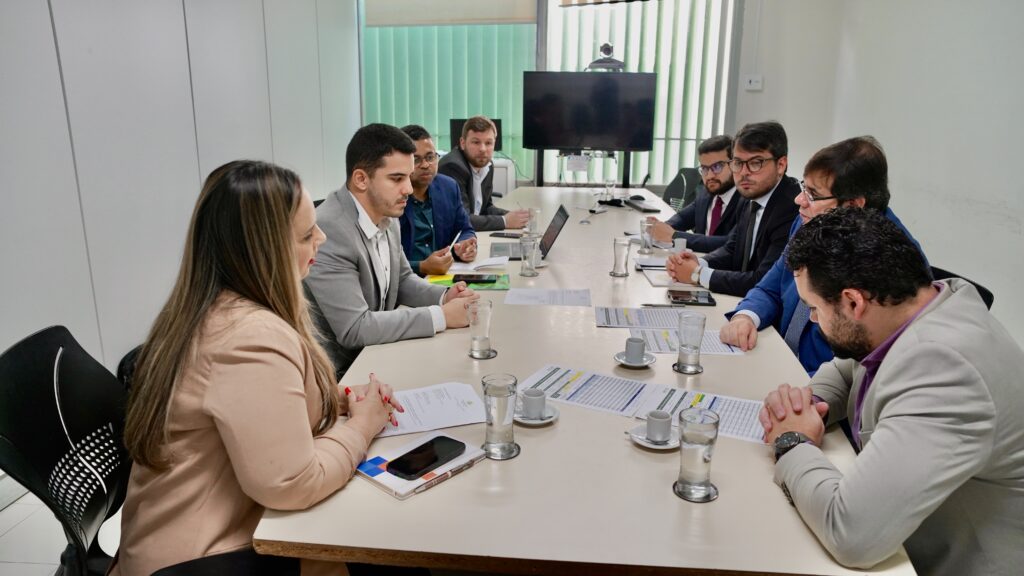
(716,216)
(801,317)
(748,242)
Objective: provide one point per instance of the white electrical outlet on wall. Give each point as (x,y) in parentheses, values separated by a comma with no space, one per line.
(753,82)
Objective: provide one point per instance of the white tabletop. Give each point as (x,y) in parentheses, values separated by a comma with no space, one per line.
(581,498)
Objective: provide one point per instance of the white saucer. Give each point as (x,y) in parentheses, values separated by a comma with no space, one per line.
(648,360)
(638,435)
(550,416)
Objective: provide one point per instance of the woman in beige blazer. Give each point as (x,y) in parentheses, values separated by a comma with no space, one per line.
(234,408)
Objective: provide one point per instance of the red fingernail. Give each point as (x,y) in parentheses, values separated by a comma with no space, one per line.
(347,390)
(385,399)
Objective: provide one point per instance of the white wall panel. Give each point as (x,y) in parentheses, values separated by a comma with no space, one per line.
(43,260)
(128,92)
(294,71)
(339,85)
(227,52)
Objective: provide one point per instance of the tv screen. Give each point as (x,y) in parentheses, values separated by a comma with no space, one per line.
(588,110)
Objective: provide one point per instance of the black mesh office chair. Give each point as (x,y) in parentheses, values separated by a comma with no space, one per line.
(986,295)
(239,563)
(61,429)
(682,190)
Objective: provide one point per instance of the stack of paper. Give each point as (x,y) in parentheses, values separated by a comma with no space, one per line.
(492,262)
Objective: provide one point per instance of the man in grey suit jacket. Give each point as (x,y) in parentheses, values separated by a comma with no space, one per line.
(929,381)
(361,277)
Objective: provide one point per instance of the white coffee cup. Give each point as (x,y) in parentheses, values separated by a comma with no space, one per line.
(634,350)
(533,403)
(659,426)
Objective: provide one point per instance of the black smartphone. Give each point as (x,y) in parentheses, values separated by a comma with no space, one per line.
(476,278)
(426,457)
(506,235)
(691,297)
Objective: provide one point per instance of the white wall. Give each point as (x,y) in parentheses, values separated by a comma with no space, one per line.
(939,85)
(96,200)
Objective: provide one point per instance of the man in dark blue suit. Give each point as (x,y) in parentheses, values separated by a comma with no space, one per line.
(716,209)
(853,172)
(434,215)
(759,162)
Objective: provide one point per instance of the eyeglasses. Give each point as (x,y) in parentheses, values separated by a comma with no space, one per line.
(809,194)
(429,159)
(754,164)
(715,168)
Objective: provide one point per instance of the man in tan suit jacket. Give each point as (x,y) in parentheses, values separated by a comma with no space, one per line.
(930,383)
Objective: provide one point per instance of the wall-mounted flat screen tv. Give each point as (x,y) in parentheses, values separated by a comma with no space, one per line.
(588,110)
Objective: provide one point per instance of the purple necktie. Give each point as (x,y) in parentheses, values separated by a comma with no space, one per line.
(716,216)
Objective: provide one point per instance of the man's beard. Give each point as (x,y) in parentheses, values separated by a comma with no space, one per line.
(722,188)
(849,339)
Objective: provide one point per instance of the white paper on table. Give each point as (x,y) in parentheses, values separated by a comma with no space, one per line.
(651,261)
(577,163)
(587,389)
(737,416)
(660,278)
(607,317)
(548,297)
(666,341)
(435,407)
(492,262)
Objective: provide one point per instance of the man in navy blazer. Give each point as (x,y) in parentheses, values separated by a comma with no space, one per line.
(717,206)
(759,166)
(434,215)
(853,172)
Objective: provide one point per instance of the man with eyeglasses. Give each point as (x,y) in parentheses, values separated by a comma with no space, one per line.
(853,172)
(434,216)
(716,208)
(470,166)
(758,166)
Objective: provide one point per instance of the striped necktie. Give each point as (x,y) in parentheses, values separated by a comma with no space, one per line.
(801,316)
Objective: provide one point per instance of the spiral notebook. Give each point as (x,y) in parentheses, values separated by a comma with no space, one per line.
(374,468)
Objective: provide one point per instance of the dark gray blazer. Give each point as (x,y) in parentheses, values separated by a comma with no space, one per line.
(455,165)
(344,292)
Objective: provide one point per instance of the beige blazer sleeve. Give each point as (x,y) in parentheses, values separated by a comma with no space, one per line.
(257,398)
(933,429)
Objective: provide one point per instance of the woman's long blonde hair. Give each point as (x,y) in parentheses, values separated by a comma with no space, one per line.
(240,239)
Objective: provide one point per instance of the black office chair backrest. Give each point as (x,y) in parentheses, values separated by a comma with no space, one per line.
(61,430)
(986,295)
(318,202)
(244,562)
(682,190)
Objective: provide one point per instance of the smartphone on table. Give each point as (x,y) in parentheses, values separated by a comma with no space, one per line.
(506,235)
(475,278)
(428,456)
(691,297)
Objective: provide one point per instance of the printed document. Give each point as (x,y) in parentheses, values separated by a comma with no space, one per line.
(436,407)
(666,341)
(637,317)
(737,417)
(493,262)
(548,297)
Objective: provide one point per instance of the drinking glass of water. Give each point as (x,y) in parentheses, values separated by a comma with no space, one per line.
(500,403)
(479,313)
(698,430)
(691,334)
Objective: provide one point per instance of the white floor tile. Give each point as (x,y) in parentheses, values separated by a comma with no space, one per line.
(29,498)
(38,539)
(14,515)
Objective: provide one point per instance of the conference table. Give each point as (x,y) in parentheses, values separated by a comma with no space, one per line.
(581,498)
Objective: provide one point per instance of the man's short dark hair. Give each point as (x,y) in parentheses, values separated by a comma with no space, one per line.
(371,144)
(770,136)
(716,144)
(479,124)
(853,248)
(857,168)
(416,132)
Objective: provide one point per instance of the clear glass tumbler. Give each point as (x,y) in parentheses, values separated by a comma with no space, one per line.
(691,334)
(533,224)
(698,431)
(479,313)
(620,247)
(500,403)
(646,237)
(530,256)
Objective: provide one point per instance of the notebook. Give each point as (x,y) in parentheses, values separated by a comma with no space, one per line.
(374,468)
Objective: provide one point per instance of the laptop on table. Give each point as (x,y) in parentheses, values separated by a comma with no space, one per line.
(515,252)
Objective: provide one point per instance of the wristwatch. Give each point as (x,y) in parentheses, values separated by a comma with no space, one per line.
(695,277)
(789,440)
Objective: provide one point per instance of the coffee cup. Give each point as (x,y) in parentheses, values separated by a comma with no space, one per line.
(659,426)
(533,403)
(634,350)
